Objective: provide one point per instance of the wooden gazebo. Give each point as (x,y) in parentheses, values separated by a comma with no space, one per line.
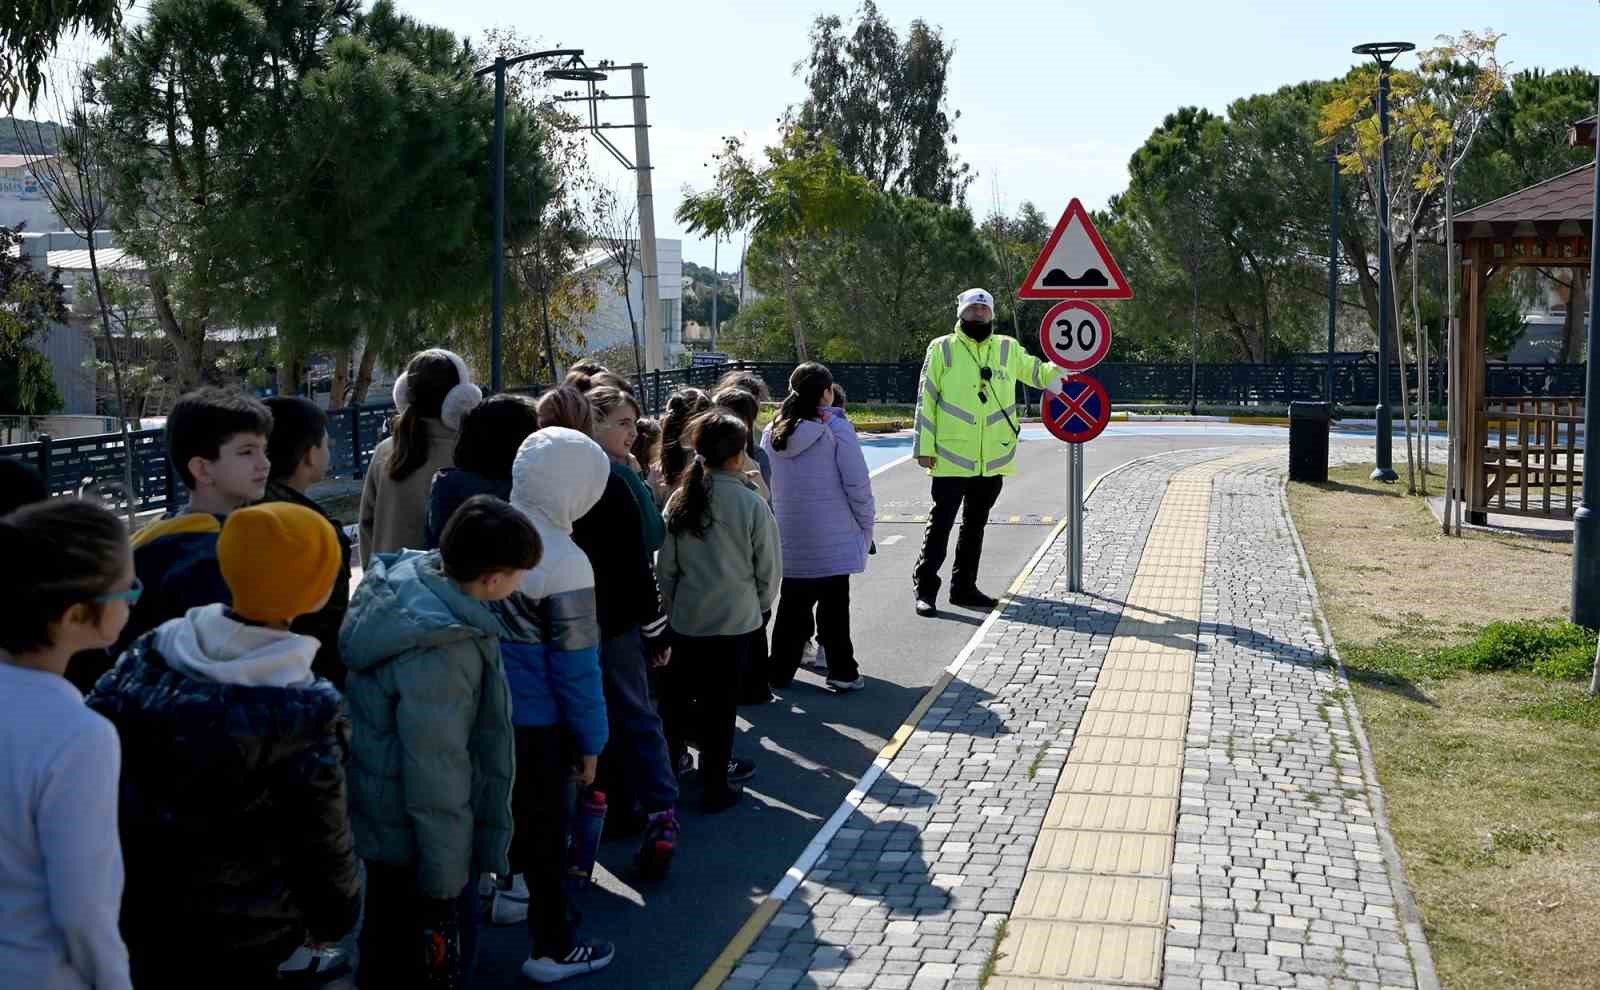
(1521,455)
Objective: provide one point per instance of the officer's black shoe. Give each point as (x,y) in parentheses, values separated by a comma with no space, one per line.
(972,598)
(926,609)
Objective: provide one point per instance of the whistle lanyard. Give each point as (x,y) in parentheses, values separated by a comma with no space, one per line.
(983,387)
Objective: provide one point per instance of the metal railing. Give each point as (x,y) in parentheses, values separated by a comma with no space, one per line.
(356,430)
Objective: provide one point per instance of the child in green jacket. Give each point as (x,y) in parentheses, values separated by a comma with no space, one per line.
(719,571)
(432,754)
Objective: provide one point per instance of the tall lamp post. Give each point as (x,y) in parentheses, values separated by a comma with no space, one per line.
(1384,53)
(1586,521)
(1333,270)
(498,262)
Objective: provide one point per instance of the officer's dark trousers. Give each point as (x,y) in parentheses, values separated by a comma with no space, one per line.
(972,498)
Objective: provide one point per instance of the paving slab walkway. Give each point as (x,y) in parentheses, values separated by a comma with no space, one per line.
(1158,782)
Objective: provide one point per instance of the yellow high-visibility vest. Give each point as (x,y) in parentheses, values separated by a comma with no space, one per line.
(967,424)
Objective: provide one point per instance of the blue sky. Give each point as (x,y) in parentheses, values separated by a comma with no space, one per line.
(1053,96)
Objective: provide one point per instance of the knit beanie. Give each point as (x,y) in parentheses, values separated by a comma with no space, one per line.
(280,560)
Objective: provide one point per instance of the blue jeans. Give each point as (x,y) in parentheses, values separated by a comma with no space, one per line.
(638,746)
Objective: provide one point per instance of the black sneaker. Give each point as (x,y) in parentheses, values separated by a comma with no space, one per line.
(925,608)
(972,598)
(585,958)
(740,771)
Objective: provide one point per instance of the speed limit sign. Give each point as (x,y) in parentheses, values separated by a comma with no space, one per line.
(1075,335)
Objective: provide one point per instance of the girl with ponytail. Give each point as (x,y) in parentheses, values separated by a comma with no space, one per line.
(433,395)
(822,497)
(62,882)
(810,390)
(684,404)
(719,571)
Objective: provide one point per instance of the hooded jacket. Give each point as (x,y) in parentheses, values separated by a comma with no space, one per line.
(553,669)
(233,818)
(325,622)
(175,558)
(451,487)
(432,752)
(822,498)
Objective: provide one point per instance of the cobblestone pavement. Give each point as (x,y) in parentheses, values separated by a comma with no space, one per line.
(1269,869)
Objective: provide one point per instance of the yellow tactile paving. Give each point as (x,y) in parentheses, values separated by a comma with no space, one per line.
(1048,895)
(1092,911)
(1121,853)
(1113,813)
(1066,950)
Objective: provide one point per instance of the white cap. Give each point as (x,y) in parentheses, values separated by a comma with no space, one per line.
(973,297)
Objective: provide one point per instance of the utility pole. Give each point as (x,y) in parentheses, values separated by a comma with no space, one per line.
(650,274)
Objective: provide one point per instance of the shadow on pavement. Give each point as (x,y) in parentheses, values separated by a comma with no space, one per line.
(809,748)
(876,878)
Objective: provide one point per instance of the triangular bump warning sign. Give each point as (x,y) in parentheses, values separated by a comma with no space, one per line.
(1075,263)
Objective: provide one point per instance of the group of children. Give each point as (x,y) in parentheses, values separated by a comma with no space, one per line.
(554,593)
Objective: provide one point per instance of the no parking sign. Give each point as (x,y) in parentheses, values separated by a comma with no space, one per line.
(1079,413)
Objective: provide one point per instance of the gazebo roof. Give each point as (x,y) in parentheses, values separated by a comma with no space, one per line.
(1562,206)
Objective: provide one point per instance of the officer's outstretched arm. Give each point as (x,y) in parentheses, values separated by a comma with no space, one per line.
(1031,371)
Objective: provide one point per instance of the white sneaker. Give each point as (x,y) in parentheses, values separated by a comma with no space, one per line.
(507,910)
(855,685)
(815,658)
(583,959)
(314,964)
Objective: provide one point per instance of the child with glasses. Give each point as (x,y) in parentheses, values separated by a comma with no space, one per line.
(61,872)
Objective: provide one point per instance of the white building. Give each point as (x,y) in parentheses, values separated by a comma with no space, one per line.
(608,325)
(23,202)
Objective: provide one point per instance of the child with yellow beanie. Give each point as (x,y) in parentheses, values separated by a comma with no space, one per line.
(234,820)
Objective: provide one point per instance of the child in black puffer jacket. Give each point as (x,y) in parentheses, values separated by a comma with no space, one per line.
(233,814)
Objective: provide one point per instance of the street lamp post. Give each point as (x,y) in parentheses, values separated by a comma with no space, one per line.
(1384,53)
(498,262)
(1586,521)
(1333,271)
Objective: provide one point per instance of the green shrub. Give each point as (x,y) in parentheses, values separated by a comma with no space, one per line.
(1554,650)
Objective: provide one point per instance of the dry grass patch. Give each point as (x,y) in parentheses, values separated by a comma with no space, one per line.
(1490,776)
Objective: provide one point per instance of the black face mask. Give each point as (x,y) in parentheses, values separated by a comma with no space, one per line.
(976,330)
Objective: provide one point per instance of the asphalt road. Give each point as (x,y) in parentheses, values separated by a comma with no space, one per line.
(811,746)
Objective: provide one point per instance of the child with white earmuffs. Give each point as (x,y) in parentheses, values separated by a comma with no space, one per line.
(433,395)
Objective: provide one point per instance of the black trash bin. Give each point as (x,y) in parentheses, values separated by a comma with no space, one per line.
(1308,441)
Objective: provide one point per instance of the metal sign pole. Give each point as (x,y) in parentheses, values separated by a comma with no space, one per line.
(1075,471)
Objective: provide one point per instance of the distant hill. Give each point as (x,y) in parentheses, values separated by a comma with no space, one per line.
(9,145)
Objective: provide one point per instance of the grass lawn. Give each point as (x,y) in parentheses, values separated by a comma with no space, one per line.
(1491,774)
(865,418)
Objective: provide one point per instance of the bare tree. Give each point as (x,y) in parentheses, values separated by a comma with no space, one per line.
(617,232)
(76,180)
(1463,77)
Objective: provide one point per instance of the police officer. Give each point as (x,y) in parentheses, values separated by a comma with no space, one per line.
(967,434)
